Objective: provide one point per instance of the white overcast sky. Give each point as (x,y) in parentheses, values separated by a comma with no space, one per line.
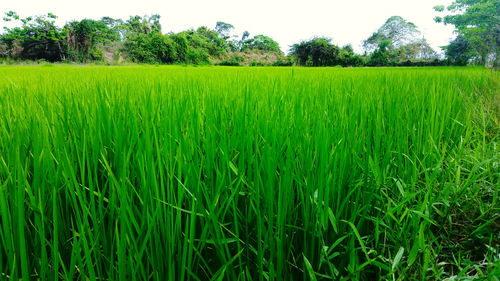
(288,22)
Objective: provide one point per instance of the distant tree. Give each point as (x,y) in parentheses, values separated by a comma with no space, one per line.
(396,41)
(144,41)
(458,51)
(261,42)
(347,57)
(4,49)
(115,24)
(348,49)
(316,52)
(85,36)
(478,22)
(215,45)
(151,47)
(181,45)
(419,50)
(223,29)
(381,56)
(38,37)
(111,22)
(245,35)
(396,30)
(145,24)
(202,44)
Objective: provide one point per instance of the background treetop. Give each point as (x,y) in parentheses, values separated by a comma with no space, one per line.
(477,23)
(396,30)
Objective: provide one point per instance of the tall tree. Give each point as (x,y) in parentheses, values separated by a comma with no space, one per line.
(458,51)
(419,50)
(83,38)
(245,35)
(261,42)
(38,37)
(215,45)
(381,56)
(478,22)
(145,24)
(396,30)
(316,52)
(223,29)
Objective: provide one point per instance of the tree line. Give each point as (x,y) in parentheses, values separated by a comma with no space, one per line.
(140,39)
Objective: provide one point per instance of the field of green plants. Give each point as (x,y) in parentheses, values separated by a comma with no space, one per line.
(219,173)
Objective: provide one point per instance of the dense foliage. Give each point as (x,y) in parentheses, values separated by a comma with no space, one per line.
(316,52)
(478,24)
(138,39)
(85,37)
(396,30)
(398,42)
(321,52)
(141,40)
(260,42)
(36,38)
(175,173)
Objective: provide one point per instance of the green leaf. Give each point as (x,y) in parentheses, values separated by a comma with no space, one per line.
(413,254)
(309,268)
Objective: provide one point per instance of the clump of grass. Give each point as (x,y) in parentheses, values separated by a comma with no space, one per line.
(172,173)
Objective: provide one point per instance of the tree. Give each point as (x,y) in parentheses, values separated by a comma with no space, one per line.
(419,50)
(144,42)
(223,29)
(215,45)
(347,57)
(4,49)
(83,38)
(202,44)
(245,35)
(316,52)
(151,47)
(396,41)
(348,49)
(396,30)
(478,22)
(261,42)
(458,51)
(145,24)
(115,24)
(38,37)
(381,56)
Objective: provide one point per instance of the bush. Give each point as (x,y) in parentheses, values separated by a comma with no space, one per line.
(229,63)
(261,42)
(316,52)
(197,56)
(256,63)
(287,61)
(233,60)
(153,47)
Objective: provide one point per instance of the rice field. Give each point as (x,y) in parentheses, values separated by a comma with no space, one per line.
(220,173)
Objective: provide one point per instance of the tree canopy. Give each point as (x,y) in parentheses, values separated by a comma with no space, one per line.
(260,42)
(223,29)
(85,36)
(316,52)
(477,23)
(140,39)
(37,38)
(398,41)
(396,30)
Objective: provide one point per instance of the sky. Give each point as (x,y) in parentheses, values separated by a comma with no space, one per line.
(286,21)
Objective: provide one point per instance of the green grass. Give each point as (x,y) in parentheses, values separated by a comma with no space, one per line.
(213,173)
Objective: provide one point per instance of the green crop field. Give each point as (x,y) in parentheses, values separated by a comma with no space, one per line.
(214,173)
